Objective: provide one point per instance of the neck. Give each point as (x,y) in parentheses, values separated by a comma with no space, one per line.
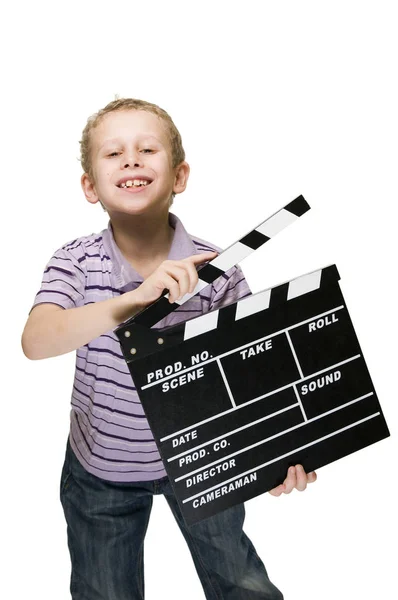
(143,239)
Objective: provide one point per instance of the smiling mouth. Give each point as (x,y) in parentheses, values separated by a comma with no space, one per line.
(136,183)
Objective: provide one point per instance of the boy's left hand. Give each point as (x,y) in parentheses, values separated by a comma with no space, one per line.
(296,478)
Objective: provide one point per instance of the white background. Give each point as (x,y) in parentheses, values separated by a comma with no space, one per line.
(272,100)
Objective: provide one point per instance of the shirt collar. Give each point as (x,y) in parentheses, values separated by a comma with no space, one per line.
(124,276)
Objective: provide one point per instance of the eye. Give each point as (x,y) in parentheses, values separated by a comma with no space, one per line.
(113,153)
(147,150)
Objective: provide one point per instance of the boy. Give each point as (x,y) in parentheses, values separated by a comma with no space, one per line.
(134,164)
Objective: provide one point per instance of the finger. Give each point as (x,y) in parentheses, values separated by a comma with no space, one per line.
(193,275)
(311,477)
(197,259)
(190,265)
(301,475)
(290,481)
(187,267)
(278,490)
(172,286)
(179,274)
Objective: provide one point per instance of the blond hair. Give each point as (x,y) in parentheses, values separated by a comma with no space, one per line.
(177,150)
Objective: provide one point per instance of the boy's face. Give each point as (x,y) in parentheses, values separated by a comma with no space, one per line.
(133,144)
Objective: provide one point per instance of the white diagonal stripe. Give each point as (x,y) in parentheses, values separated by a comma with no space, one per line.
(276,223)
(231,256)
(200,325)
(304,284)
(253,304)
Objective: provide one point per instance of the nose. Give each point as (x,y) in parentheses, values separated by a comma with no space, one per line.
(132,159)
(126,165)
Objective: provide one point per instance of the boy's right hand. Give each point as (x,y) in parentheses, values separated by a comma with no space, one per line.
(177,276)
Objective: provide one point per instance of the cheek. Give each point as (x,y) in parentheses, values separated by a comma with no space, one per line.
(102,178)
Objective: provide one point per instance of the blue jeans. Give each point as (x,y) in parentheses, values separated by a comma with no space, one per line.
(106,526)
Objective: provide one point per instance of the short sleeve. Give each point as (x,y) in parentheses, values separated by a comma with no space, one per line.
(63,280)
(229,288)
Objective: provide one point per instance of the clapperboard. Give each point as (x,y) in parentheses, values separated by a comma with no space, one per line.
(237,395)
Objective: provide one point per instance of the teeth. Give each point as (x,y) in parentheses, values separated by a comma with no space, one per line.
(135,183)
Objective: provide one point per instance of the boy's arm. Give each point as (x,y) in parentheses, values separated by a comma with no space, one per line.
(51,331)
(60,321)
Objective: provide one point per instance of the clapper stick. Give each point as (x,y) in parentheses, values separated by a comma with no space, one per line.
(146,340)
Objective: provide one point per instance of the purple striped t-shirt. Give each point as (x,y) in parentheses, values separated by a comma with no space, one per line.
(109,433)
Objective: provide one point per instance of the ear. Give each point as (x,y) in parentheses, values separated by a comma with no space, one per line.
(181,177)
(89,189)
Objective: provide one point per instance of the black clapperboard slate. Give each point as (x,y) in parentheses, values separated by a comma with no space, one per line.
(237,395)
